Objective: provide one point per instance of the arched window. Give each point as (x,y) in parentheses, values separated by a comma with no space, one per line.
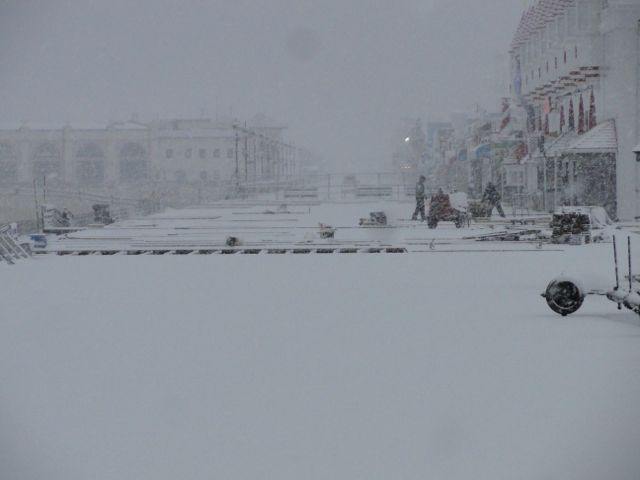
(47,161)
(572,117)
(581,118)
(593,122)
(133,162)
(180,176)
(8,163)
(90,165)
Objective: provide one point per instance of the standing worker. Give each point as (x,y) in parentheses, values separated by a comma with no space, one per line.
(491,198)
(420,199)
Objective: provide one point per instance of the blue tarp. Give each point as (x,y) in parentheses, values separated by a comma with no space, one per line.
(483,151)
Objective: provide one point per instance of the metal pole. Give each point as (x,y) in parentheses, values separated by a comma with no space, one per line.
(615,259)
(255,160)
(246,157)
(630,274)
(637,188)
(544,183)
(555,183)
(629,250)
(237,174)
(35,196)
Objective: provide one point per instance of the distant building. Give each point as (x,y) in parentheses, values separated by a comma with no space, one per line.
(574,67)
(410,149)
(180,150)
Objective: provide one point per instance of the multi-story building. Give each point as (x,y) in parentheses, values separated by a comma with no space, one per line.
(575,67)
(182,151)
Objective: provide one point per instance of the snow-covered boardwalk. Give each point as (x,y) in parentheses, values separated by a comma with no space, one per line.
(341,366)
(274,228)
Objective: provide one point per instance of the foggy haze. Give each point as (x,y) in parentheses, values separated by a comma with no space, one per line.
(341,75)
(384,283)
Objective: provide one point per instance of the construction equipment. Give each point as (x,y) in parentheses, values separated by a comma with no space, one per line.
(578,225)
(565,295)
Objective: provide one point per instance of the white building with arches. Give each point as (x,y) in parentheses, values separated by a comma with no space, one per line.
(131,153)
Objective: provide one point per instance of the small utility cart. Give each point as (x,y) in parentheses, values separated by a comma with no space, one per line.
(449,208)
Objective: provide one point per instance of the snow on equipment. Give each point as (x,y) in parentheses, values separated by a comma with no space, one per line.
(54,220)
(479,209)
(448,208)
(575,225)
(101,214)
(233,242)
(327,231)
(566,295)
(376,219)
(508,236)
(10,248)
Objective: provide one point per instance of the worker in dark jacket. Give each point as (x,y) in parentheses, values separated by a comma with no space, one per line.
(420,200)
(491,198)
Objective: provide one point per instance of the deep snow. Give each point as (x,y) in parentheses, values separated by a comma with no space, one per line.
(430,366)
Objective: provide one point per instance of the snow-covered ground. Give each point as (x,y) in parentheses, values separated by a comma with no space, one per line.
(417,366)
(271,225)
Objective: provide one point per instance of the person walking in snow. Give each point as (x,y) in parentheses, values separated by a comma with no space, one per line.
(420,200)
(491,198)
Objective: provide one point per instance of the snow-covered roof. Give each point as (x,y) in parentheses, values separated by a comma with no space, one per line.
(49,126)
(600,139)
(560,145)
(130,125)
(263,121)
(199,133)
(637,149)
(52,126)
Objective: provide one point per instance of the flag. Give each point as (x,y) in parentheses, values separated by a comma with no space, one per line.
(531,118)
(521,151)
(572,117)
(592,111)
(581,129)
(517,81)
(546,124)
(506,114)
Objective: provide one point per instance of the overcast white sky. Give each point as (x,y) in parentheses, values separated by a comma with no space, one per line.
(341,73)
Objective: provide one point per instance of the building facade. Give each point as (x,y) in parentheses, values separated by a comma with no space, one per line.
(574,65)
(182,151)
